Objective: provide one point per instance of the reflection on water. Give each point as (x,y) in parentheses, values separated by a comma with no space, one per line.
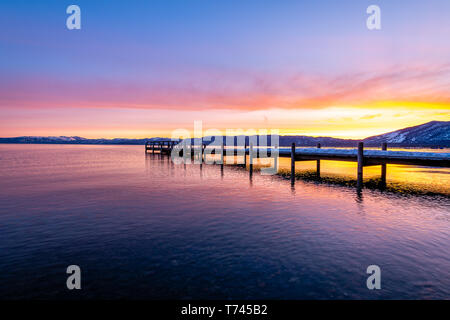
(400,178)
(140,226)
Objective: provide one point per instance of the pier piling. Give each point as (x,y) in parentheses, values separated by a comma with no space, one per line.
(318,163)
(250,155)
(275,159)
(360,159)
(245,153)
(222,151)
(203,151)
(383,166)
(293,163)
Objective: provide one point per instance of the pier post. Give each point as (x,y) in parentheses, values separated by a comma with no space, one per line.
(275,159)
(383,166)
(318,163)
(245,152)
(222,160)
(153,148)
(203,152)
(250,155)
(360,158)
(222,151)
(293,163)
(185,153)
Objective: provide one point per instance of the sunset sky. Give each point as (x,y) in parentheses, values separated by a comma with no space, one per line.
(144,68)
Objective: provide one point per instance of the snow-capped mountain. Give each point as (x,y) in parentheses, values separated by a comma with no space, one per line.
(434,133)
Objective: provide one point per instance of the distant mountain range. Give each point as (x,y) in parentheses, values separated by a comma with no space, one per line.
(431,134)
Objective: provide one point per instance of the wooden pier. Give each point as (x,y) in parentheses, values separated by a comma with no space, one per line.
(364,158)
(160,146)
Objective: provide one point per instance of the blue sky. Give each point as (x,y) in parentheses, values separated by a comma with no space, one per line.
(247,56)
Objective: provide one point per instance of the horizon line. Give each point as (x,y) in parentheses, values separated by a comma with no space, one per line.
(223,135)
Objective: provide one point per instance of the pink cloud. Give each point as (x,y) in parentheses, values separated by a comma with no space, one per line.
(233,92)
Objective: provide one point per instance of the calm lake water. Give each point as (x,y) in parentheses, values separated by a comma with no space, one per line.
(140,226)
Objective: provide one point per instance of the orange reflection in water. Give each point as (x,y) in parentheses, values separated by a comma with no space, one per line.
(417,179)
